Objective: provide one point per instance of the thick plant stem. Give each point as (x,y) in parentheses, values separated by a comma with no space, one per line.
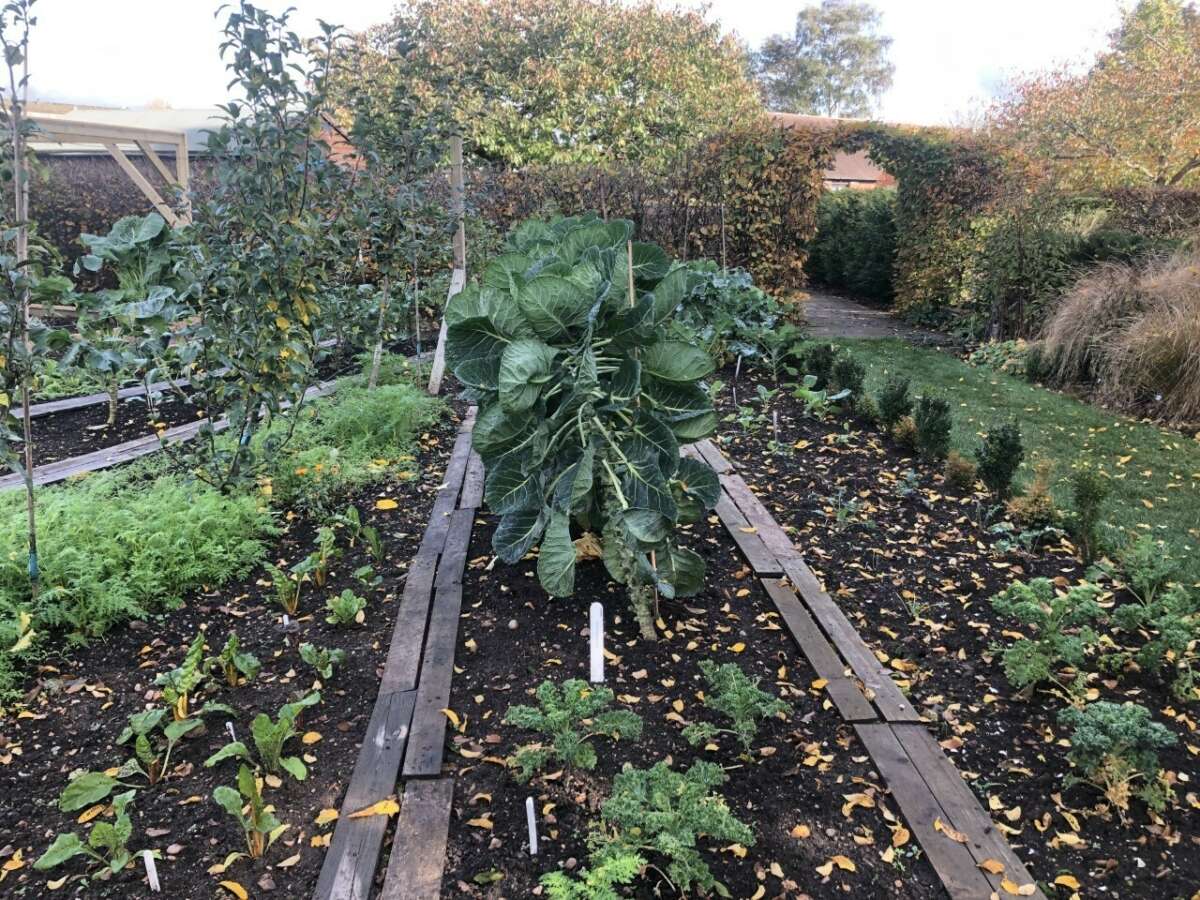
(642,599)
(113,401)
(377,355)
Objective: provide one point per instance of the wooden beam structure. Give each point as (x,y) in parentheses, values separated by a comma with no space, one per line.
(53,129)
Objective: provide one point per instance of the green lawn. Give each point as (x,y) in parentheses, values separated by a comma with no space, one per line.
(1155,472)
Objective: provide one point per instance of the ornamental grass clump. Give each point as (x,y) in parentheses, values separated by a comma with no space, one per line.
(584,403)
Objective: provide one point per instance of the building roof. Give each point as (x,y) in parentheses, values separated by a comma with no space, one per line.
(847,167)
(195,123)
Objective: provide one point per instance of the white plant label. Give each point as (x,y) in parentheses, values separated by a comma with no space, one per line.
(229,728)
(151,871)
(596,633)
(529,814)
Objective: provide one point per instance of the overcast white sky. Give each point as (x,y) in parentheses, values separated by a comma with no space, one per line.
(950,55)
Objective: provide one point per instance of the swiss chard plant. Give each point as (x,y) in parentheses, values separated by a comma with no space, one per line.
(569,715)
(322,659)
(583,404)
(245,804)
(180,683)
(106,844)
(270,736)
(347,608)
(233,663)
(152,754)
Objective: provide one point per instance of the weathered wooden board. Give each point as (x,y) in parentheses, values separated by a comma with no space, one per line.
(427,743)
(418,857)
(448,493)
(354,850)
(714,457)
(882,691)
(963,810)
(761,560)
(844,693)
(408,634)
(952,861)
(759,517)
(472,491)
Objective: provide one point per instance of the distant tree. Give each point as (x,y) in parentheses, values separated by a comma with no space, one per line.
(1133,118)
(584,81)
(834,65)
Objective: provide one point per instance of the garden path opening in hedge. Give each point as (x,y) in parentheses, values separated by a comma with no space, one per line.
(913,566)
(80,703)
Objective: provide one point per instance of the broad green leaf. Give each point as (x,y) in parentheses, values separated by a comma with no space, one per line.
(497,431)
(695,428)
(229,800)
(65,847)
(676,361)
(232,750)
(504,273)
(553,306)
(513,484)
(649,433)
(646,525)
(517,533)
(88,788)
(682,570)
(650,264)
(669,293)
(644,484)
(481,372)
(295,767)
(525,369)
(699,481)
(556,559)
(474,338)
(625,384)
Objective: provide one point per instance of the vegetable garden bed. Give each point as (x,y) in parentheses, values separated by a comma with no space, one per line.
(905,558)
(81,704)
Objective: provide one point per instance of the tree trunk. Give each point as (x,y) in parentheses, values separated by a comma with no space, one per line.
(377,355)
(113,401)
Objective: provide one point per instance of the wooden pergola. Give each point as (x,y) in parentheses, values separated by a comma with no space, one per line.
(57,130)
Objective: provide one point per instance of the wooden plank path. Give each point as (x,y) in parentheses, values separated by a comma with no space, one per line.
(929,790)
(402,750)
(107,457)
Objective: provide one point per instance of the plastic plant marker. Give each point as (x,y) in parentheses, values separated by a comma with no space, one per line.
(596,632)
(229,728)
(151,871)
(530,815)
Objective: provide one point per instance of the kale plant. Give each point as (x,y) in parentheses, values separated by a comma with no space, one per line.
(1115,746)
(609,869)
(737,697)
(658,811)
(583,404)
(1060,625)
(999,456)
(1149,567)
(569,716)
(1171,621)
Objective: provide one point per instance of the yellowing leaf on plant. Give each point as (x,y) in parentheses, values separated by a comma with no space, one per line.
(386,807)
(325,816)
(236,889)
(386,503)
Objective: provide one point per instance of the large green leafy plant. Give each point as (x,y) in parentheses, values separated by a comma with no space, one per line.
(584,402)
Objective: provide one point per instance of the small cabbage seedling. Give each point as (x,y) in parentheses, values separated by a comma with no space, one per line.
(569,716)
(658,811)
(1061,630)
(346,609)
(737,697)
(152,757)
(269,736)
(106,844)
(233,663)
(322,659)
(246,806)
(1115,746)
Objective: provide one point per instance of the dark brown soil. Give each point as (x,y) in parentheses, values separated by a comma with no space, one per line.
(64,435)
(81,703)
(512,637)
(911,565)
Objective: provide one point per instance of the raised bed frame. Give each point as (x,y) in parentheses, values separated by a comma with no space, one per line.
(402,751)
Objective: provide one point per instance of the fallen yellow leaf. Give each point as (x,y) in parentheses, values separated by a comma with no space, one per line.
(386,503)
(992,866)
(386,807)
(1068,881)
(738,647)
(481,822)
(800,831)
(88,814)
(325,816)
(236,889)
(939,825)
(310,737)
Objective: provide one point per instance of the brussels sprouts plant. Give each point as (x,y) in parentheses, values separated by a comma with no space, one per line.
(584,402)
